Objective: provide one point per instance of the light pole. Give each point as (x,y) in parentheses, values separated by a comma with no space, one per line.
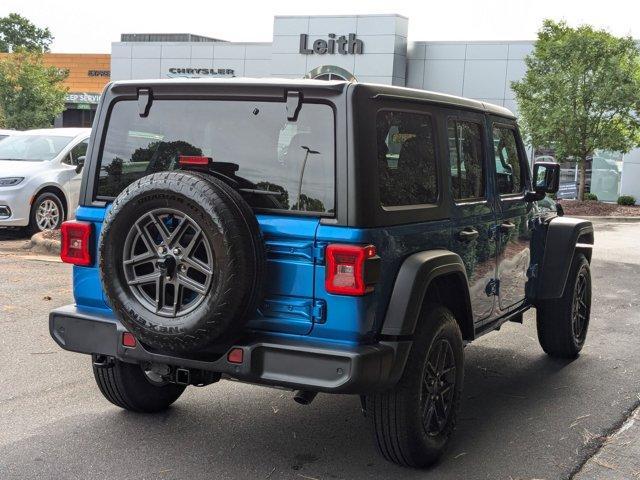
(304,165)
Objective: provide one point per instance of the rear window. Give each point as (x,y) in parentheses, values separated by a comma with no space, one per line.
(277,164)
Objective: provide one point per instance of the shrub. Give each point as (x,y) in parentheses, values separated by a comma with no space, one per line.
(590,196)
(626,200)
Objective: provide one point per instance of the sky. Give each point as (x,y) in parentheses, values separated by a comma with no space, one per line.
(89,26)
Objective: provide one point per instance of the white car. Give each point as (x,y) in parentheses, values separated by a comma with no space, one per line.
(6,133)
(40,173)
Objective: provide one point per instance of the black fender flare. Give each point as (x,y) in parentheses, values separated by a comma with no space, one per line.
(416,273)
(564,236)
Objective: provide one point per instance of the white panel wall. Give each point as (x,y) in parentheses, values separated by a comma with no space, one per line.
(153,59)
(479,70)
(630,181)
(384,38)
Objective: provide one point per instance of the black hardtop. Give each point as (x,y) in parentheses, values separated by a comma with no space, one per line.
(261,86)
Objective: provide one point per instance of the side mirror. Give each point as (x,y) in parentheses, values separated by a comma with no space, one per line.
(546,179)
(80,163)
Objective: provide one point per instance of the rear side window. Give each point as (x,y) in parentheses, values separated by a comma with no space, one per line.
(508,175)
(466,160)
(276,164)
(406,159)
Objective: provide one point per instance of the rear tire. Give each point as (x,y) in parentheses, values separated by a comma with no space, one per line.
(563,322)
(127,386)
(403,417)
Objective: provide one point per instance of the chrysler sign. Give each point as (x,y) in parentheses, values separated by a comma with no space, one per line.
(201,72)
(343,45)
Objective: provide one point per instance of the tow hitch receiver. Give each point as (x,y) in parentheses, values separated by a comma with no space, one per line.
(183,376)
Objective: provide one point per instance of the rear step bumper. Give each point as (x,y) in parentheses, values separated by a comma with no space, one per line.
(298,364)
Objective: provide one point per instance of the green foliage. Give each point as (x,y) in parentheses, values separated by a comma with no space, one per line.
(626,200)
(591,196)
(18,33)
(31,94)
(581,92)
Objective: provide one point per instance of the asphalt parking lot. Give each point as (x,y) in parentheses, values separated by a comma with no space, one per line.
(524,415)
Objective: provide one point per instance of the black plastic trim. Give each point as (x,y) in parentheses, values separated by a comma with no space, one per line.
(562,236)
(298,364)
(412,282)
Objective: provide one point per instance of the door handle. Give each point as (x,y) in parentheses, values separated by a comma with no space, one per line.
(468,235)
(507,226)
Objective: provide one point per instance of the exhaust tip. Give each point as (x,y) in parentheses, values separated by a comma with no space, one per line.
(304,397)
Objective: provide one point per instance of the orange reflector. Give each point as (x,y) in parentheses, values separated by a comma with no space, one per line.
(128,340)
(235,356)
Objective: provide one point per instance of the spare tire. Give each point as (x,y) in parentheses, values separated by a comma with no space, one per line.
(181,261)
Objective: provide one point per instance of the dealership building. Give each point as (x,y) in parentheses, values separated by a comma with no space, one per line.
(86,76)
(364,48)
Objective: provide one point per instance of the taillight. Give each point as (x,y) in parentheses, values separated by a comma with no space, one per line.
(194,160)
(76,242)
(351,269)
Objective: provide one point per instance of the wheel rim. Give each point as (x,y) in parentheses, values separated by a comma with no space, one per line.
(580,310)
(48,215)
(438,387)
(168,262)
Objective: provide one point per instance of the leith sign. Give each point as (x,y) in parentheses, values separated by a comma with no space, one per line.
(344,45)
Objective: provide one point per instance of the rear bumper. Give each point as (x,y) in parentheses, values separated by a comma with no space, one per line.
(297,364)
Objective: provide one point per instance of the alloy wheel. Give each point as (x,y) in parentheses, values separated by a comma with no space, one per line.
(48,215)
(438,387)
(168,262)
(580,310)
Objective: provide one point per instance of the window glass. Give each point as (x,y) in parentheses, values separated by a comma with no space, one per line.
(79,150)
(277,164)
(406,159)
(32,148)
(466,159)
(507,161)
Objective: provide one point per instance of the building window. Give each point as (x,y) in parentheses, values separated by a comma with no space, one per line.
(466,160)
(329,76)
(331,72)
(406,159)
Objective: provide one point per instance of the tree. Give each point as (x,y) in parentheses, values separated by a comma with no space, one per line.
(581,92)
(31,94)
(17,32)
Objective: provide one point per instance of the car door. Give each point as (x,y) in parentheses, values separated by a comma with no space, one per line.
(512,215)
(74,178)
(473,215)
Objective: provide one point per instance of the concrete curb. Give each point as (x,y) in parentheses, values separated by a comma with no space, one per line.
(608,219)
(619,456)
(40,244)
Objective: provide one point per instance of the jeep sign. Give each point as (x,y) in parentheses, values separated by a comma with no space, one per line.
(341,44)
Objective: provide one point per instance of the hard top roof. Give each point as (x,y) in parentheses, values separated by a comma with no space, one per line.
(335,85)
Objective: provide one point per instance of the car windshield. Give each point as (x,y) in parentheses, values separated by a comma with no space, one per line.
(275,163)
(32,148)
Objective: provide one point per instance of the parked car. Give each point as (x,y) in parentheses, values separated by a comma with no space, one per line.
(40,173)
(320,236)
(6,133)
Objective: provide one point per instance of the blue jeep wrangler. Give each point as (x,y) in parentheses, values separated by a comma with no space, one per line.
(319,236)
